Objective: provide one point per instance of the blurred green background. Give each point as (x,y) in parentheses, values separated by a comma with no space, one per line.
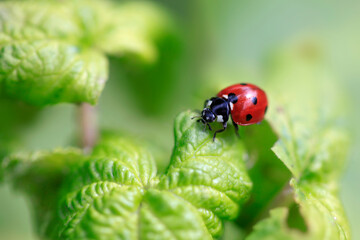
(218,41)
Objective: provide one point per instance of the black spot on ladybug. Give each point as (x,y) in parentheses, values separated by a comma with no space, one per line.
(248,117)
(244,84)
(232,97)
(266,108)
(254,100)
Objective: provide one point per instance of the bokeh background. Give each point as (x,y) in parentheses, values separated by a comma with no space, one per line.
(215,41)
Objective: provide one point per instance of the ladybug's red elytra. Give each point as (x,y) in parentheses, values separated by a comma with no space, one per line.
(245,102)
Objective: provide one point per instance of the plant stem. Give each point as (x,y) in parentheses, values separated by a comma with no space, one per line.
(88,127)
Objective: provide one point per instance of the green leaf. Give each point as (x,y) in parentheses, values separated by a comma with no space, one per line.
(306,111)
(105,193)
(115,192)
(101,210)
(24,21)
(210,175)
(40,175)
(131,154)
(40,63)
(49,72)
(134,29)
(46,167)
(165,216)
(275,228)
(322,211)
(52,52)
(115,187)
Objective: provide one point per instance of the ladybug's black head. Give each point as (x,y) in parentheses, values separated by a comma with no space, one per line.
(207,115)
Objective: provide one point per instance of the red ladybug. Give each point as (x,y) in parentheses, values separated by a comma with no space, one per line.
(246,103)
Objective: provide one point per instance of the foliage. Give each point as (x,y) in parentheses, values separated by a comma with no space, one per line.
(278,181)
(312,141)
(44,62)
(115,192)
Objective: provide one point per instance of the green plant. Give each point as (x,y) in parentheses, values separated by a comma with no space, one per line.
(115,192)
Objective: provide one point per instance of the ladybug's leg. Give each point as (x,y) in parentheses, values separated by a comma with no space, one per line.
(205,123)
(236,128)
(220,130)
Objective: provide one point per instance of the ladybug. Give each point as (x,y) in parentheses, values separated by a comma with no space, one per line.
(246,103)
